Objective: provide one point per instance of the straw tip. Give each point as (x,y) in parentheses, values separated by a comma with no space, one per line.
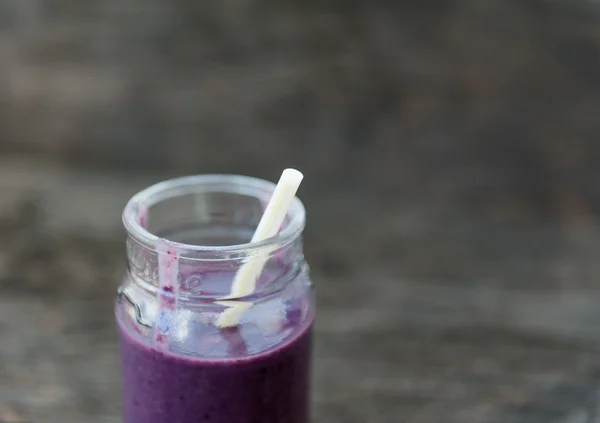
(232,316)
(292,174)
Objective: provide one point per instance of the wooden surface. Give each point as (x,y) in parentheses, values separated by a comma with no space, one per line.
(427,314)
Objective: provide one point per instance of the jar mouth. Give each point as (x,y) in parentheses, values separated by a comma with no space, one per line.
(137,207)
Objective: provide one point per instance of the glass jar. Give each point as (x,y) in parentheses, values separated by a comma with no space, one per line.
(187,238)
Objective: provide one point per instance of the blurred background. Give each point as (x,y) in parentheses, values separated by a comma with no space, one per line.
(451,161)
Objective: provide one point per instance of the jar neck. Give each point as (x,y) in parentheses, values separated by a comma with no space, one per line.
(165,268)
(190,236)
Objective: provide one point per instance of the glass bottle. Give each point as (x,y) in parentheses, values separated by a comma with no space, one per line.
(187,238)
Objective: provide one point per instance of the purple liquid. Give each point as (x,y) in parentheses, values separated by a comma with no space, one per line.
(268,387)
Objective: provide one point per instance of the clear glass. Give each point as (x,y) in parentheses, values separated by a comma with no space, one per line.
(186,240)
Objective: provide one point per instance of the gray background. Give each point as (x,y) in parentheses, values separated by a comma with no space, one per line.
(406,94)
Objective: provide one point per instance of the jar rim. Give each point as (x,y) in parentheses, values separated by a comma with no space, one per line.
(210,183)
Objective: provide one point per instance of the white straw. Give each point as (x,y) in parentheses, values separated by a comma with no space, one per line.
(245,279)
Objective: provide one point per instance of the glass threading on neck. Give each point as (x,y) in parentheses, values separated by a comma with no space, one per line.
(143,241)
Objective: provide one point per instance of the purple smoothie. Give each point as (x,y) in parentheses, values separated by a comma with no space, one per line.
(268,387)
(187,239)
